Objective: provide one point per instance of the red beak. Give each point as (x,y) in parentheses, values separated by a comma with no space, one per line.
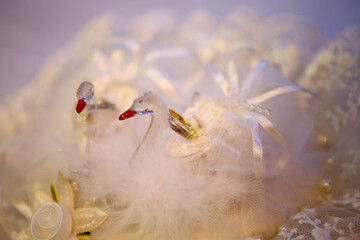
(127,114)
(80,105)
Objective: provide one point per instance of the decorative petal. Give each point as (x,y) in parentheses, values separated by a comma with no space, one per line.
(65,193)
(87,218)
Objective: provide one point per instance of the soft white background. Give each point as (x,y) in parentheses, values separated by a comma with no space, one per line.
(31,30)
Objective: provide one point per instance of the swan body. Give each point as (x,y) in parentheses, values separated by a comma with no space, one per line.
(208,179)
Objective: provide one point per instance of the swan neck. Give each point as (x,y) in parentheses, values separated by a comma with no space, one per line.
(158,124)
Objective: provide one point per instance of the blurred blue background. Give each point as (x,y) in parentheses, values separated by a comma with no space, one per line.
(30,31)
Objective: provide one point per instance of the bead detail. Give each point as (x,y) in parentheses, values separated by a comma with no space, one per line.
(325,185)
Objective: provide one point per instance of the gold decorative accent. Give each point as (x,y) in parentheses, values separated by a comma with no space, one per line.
(82,236)
(325,185)
(331,160)
(282,227)
(323,141)
(181,126)
(305,208)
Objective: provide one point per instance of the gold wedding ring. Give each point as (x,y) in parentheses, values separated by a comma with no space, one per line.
(180,125)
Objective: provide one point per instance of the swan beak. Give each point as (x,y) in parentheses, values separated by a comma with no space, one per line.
(80,105)
(127,114)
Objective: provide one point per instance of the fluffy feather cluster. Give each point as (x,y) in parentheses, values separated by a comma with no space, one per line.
(250,167)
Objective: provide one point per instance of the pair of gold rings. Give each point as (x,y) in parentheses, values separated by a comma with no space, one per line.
(181,126)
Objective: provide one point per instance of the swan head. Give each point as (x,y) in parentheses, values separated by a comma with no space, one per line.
(84,93)
(142,105)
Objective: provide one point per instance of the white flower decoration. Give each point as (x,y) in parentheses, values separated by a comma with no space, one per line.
(58,220)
